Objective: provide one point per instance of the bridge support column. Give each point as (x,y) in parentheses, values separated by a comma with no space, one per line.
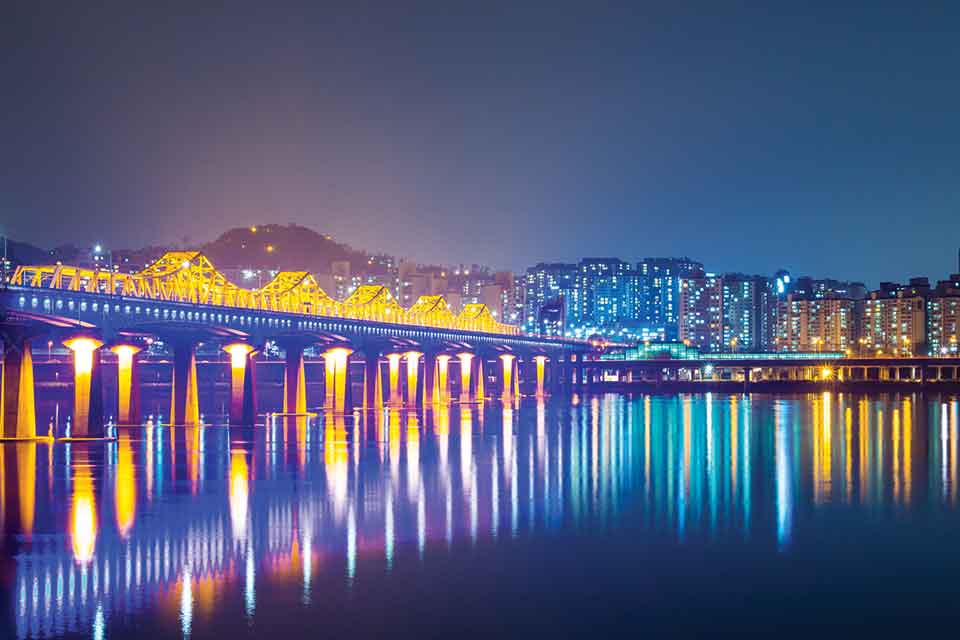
(243,402)
(555,376)
(393,368)
(429,390)
(509,376)
(466,367)
(329,381)
(413,366)
(128,384)
(87,388)
(372,382)
(442,387)
(18,413)
(479,375)
(540,363)
(294,379)
(337,382)
(505,375)
(515,383)
(184,400)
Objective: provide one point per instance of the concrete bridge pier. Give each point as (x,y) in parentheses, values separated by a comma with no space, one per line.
(429,391)
(441,394)
(479,375)
(436,379)
(336,385)
(184,398)
(87,387)
(243,398)
(466,368)
(294,378)
(372,380)
(412,360)
(565,373)
(554,375)
(508,376)
(575,375)
(594,373)
(539,363)
(393,378)
(128,383)
(18,414)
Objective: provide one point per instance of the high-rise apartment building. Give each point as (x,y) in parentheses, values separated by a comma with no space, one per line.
(894,320)
(600,294)
(659,291)
(741,305)
(826,324)
(943,317)
(547,284)
(701,312)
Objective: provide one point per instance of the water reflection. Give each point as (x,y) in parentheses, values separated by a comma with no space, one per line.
(163,519)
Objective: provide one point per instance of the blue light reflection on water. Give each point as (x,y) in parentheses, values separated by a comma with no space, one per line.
(204,529)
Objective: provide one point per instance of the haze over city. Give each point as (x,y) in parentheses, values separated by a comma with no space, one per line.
(818,139)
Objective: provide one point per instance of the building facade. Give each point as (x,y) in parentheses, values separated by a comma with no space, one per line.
(547,286)
(894,319)
(701,313)
(827,324)
(943,317)
(741,306)
(659,291)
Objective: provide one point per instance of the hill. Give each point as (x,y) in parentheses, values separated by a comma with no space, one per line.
(283,247)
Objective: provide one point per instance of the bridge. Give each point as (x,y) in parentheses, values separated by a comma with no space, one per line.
(759,370)
(182,300)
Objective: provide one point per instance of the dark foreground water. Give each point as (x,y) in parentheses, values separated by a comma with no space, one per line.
(654,515)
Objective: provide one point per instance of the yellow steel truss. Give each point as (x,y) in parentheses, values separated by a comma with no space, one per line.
(433,311)
(189,276)
(477,317)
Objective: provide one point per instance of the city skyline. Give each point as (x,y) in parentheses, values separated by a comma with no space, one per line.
(622,131)
(654,300)
(712,269)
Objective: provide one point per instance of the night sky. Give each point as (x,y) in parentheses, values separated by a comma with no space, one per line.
(750,137)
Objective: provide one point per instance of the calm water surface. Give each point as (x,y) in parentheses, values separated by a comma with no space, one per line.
(662,515)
